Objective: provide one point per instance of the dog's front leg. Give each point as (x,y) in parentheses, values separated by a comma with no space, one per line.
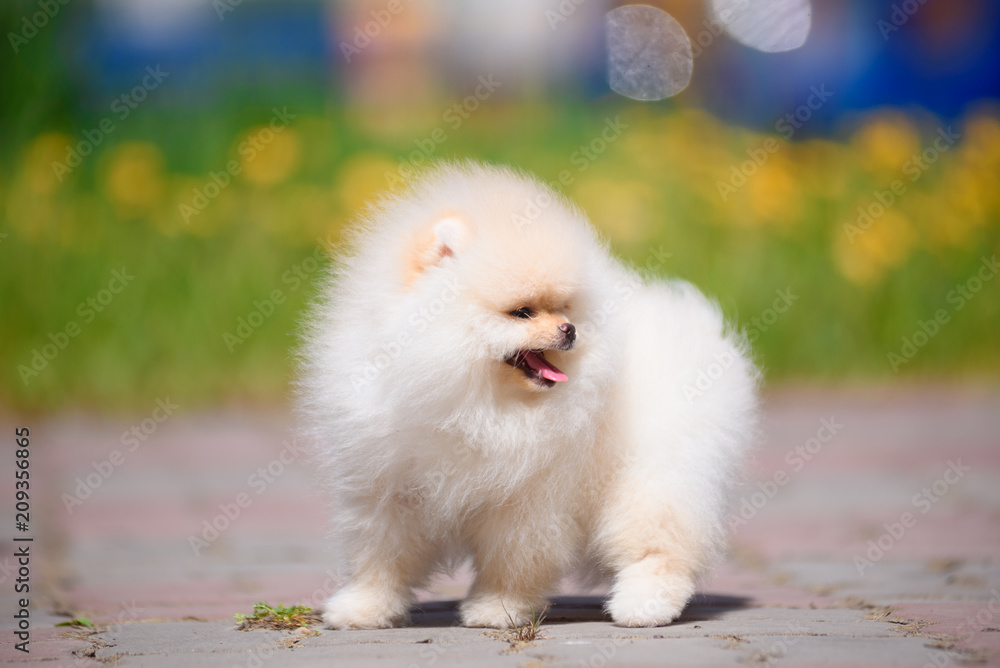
(520,552)
(387,557)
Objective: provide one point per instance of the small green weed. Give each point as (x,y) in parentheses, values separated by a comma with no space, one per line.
(265,616)
(527,632)
(78,621)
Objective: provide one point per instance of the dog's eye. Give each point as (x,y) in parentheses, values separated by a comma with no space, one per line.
(523,312)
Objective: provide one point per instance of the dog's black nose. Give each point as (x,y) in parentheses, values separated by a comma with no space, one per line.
(569,329)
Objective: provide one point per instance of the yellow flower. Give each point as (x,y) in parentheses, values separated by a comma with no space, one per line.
(362,178)
(773,193)
(970,192)
(46,149)
(821,167)
(318,213)
(940,224)
(623,210)
(981,141)
(864,255)
(886,142)
(269,156)
(35,218)
(642,148)
(191,210)
(133,178)
(307,212)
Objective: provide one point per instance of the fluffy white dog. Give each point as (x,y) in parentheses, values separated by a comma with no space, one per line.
(483,380)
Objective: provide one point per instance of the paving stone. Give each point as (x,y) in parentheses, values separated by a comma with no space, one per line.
(790,594)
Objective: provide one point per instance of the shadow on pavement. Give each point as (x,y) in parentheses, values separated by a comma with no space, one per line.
(567,609)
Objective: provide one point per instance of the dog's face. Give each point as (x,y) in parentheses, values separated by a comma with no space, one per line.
(537,333)
(521,297)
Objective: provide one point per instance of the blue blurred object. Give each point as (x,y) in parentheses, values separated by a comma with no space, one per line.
(938,55)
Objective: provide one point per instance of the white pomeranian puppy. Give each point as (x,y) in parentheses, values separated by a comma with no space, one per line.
(483,381)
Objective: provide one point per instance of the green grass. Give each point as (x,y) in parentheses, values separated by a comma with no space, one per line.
(276,617)
(527,632)
(78,621)
(168,332)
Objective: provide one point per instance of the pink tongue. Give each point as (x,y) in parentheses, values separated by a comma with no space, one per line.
(541,365)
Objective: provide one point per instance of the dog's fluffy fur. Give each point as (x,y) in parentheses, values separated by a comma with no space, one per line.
(438,448)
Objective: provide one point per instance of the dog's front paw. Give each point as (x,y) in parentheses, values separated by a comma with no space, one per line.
(497,612)
(355,608)
(639,599)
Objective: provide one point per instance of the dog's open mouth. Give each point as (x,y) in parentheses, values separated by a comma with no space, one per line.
(536,367)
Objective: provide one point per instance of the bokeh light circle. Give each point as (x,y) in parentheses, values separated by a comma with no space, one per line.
(649,54)
(771,26)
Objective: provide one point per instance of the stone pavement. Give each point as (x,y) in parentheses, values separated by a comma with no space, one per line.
(868,533)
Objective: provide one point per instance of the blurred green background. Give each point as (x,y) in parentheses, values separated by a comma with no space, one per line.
(746,207)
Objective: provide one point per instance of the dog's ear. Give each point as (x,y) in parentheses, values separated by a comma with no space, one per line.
(442,238)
